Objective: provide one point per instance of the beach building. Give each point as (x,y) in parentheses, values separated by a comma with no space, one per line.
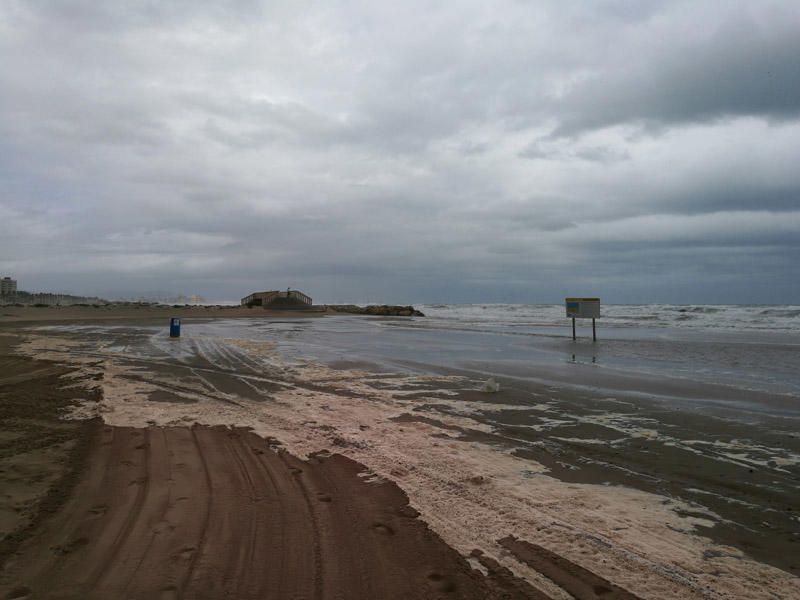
(8,286)
(275,299)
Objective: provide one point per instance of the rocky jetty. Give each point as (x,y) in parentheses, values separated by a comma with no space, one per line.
(381,310)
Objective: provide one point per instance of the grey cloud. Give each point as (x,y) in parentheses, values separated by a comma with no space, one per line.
(719,196)
(471,148)
(745,69)
(540,150)
(400,153)
(87,16)
(536,150)
(602,154)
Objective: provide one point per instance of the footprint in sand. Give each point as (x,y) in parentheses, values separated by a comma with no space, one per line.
(99,509)
(383,529)
(602,590)
(169,593)
(70,546)
(19,593)
(408,511)
(440,582)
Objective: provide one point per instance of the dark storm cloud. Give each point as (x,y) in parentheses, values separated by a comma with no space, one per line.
(744,69)
(407,152)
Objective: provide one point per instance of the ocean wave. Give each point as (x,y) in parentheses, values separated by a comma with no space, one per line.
(635,317)
(712,317)
(706,310)
(780,312)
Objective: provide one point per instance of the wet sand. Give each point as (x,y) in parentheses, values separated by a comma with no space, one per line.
(552,517)
(41,455)
(202,512)
(92,511)
(589,438)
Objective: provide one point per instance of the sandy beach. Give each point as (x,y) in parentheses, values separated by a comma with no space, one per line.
(410,300)
(231,463)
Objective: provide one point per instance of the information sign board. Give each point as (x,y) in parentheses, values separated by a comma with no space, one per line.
(583,308)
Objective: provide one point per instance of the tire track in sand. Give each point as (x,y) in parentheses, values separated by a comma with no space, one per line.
(102,570)
(247,558)
(313,519)
(164,507)
(252,522)
(201,542)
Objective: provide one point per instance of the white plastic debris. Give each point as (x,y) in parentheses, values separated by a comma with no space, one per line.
(490,386)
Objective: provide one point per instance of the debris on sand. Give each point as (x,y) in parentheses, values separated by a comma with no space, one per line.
(490,386)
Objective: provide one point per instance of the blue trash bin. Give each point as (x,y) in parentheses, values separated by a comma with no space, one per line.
(174,327)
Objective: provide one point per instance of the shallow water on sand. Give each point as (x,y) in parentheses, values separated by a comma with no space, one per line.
(758,360)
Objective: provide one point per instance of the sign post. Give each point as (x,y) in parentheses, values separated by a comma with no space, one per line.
(583,308)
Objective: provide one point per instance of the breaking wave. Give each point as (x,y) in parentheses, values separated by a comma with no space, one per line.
(514,317)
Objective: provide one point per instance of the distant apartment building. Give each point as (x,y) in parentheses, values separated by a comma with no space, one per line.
(8,286)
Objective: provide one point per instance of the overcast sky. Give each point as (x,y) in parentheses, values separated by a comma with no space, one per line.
(642,151)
